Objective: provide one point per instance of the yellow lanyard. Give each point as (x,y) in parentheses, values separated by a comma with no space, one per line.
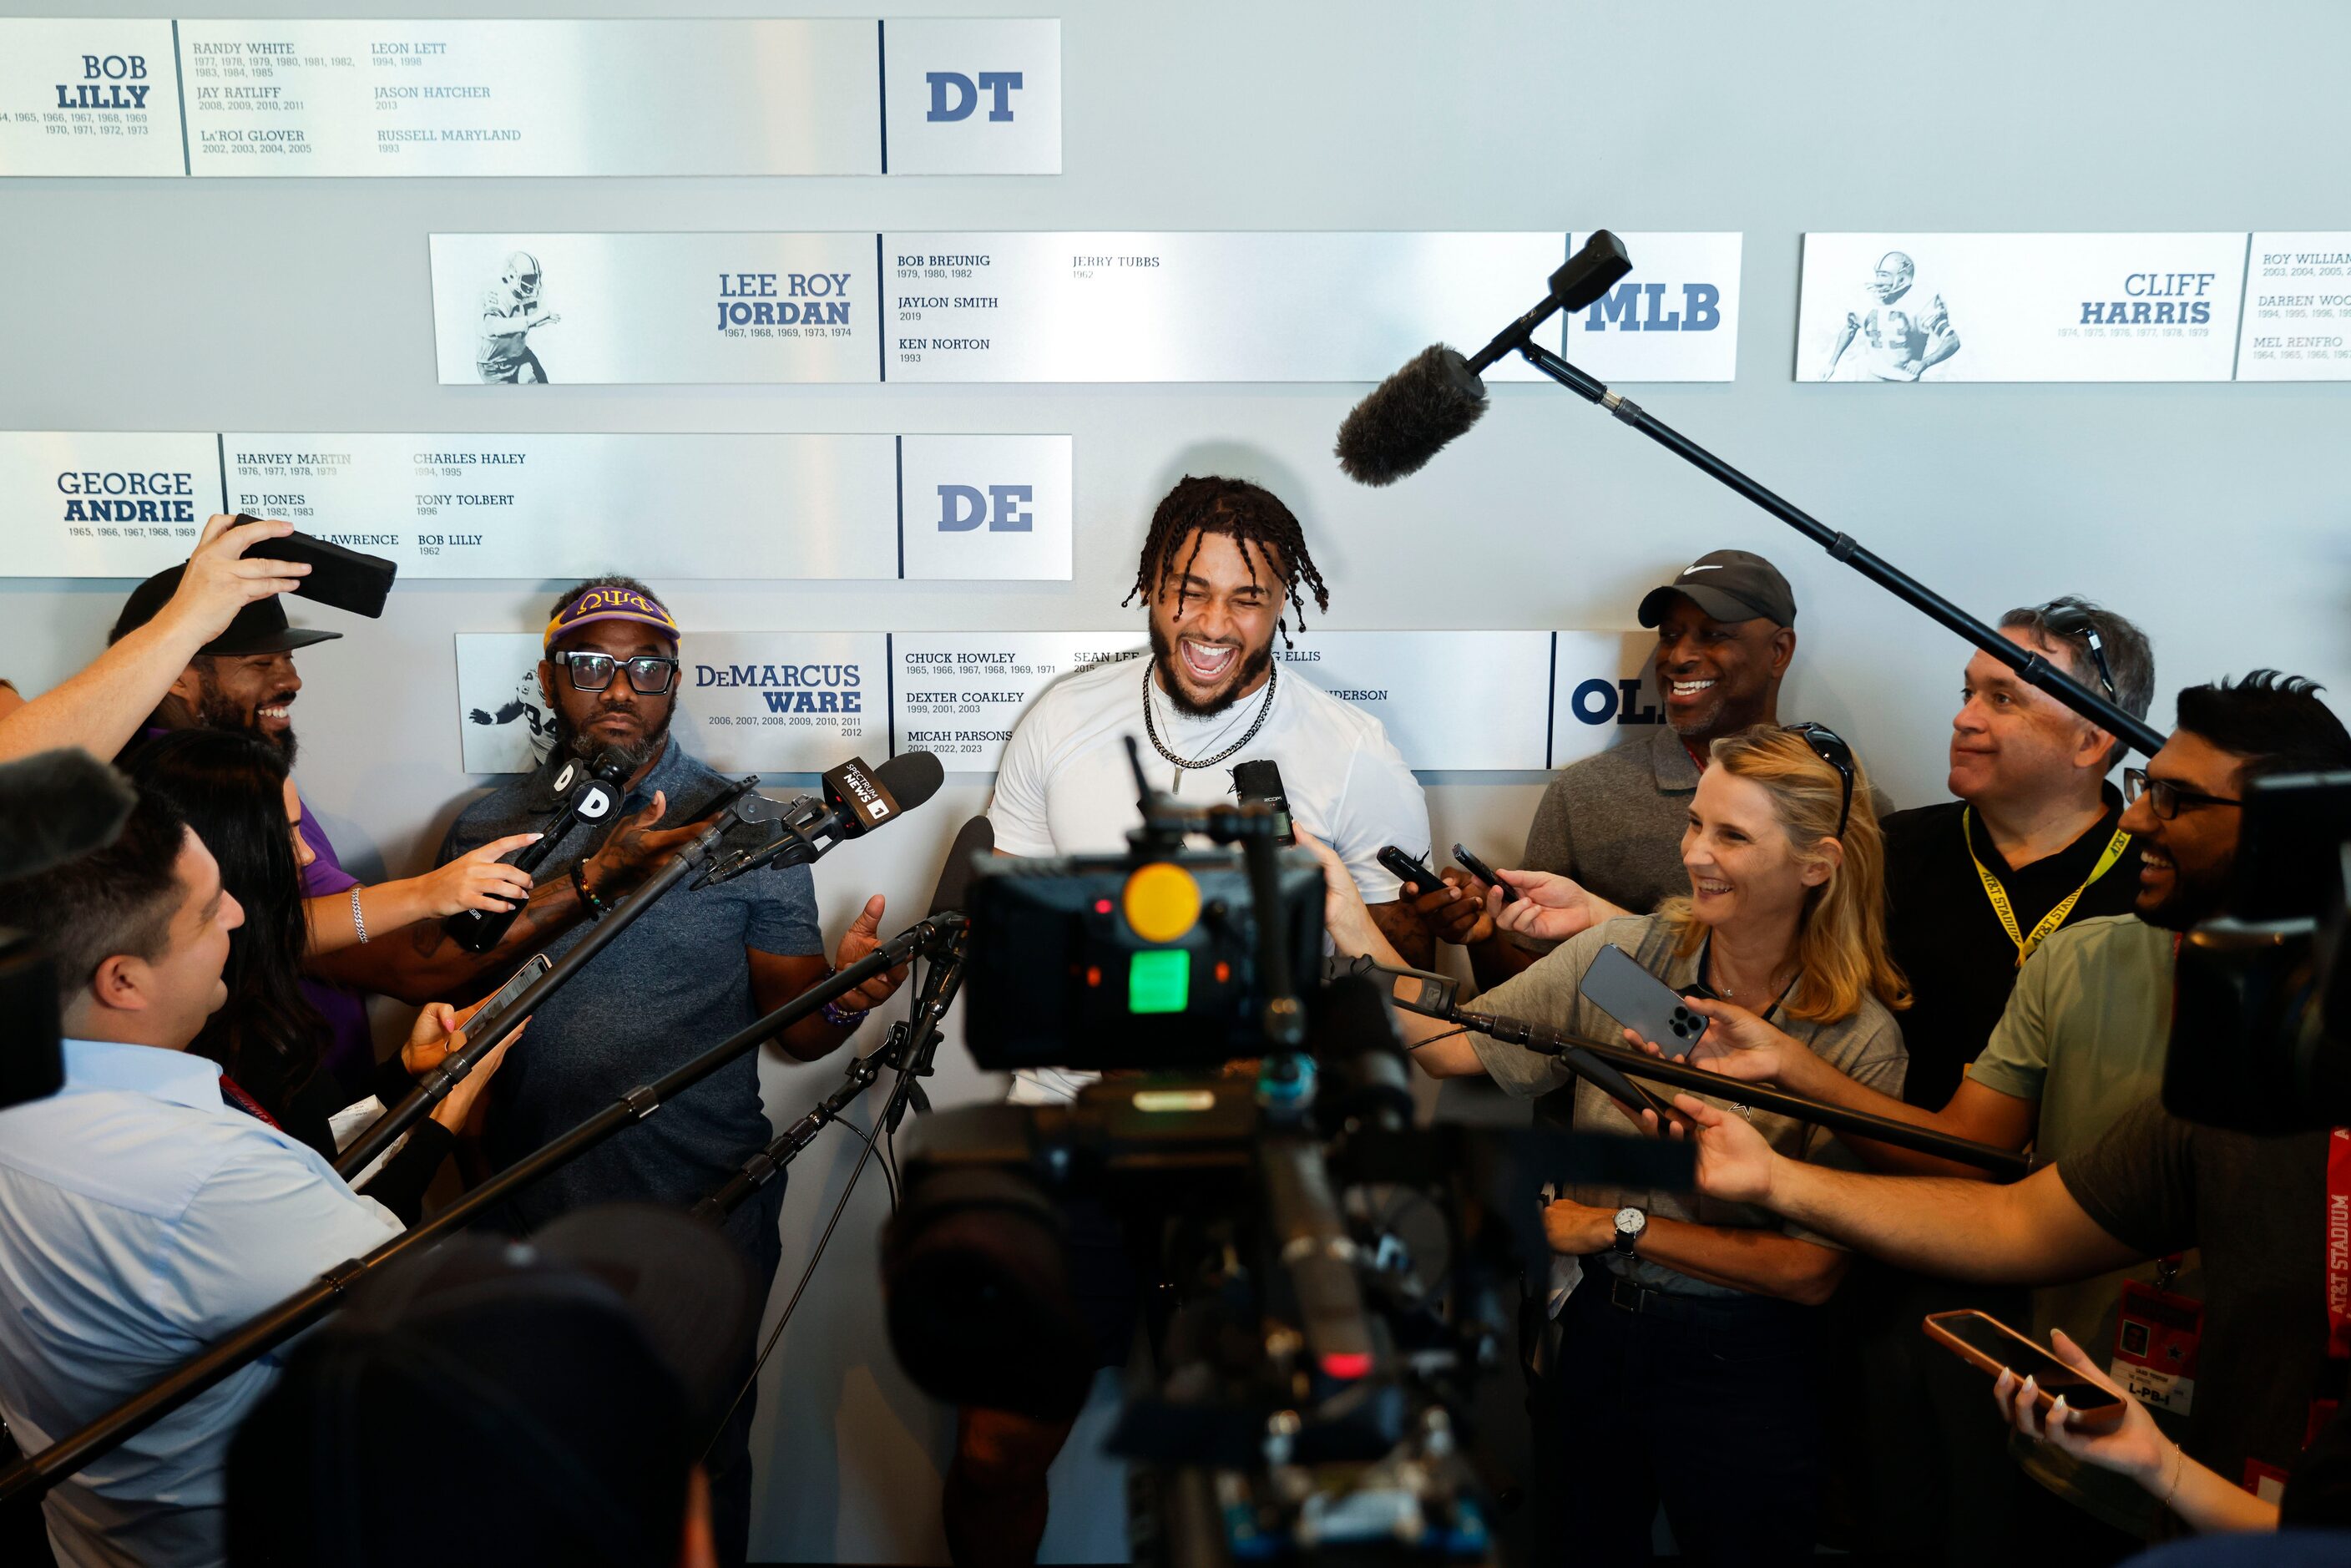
(2055,917)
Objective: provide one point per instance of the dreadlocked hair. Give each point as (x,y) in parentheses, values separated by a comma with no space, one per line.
(1253,517)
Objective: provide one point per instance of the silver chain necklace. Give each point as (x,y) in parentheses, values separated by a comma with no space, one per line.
(1272,679)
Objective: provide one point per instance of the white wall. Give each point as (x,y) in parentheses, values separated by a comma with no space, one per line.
(2215,514)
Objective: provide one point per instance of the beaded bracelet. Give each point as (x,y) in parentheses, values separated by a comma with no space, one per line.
(594,906)
(839,1016)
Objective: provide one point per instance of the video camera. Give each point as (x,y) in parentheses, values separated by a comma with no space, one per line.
(2261,1028)
(1325,1283)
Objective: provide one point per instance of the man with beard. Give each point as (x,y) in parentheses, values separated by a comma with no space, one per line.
(244,679)
(2072,1069)
(1222,562)
(694,968)
(1611,825)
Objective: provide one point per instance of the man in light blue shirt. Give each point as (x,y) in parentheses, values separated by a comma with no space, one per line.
(142,1217)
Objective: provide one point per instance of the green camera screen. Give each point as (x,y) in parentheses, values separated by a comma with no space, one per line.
(1159,981)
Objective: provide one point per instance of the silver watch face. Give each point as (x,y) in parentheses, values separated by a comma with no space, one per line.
(1632,1220)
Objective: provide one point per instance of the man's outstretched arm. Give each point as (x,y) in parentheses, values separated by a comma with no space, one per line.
(2029,1233)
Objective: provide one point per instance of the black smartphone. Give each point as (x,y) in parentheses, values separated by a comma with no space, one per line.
(1482,872)
(492,1012)
(1407,868)
(343,578)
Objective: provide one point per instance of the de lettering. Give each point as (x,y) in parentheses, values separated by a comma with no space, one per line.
(999,84)
(963,508)
(117,81)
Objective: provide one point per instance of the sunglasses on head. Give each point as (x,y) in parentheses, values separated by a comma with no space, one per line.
(1830,747)
(2071,622)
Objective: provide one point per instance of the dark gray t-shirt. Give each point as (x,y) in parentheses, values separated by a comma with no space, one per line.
(1615,821)
(676,983)
(2257,1208)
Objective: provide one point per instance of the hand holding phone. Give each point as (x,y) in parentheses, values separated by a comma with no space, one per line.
(343,578)
(1643,1003)
(490,1016)
(1984,1342)
(1483,872)
(1405,868)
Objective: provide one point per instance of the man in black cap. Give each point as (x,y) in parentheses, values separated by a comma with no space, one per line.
(1611,825)
(101,708)
(551,1398)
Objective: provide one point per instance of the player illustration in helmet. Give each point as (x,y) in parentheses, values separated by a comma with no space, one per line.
(1904,336)
(511,310)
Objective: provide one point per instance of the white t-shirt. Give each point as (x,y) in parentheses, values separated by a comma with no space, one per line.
(1064,787)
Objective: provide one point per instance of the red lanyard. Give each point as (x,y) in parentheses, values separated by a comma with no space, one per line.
(2338,1242)
(235,1093)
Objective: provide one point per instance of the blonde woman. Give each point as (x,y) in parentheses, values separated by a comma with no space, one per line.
(1684,1372)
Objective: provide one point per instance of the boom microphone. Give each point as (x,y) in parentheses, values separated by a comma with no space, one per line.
(977,839)
(1410,416)
(1258,782)
(855,800)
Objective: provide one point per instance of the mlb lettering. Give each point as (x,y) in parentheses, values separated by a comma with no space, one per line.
(1641,307)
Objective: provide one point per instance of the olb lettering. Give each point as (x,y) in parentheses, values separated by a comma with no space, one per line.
(963,508)
(998,85)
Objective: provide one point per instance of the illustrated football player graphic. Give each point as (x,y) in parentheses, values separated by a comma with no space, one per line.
(1903,335)
(511,311)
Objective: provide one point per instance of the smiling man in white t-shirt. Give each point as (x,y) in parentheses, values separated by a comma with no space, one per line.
(1223,560)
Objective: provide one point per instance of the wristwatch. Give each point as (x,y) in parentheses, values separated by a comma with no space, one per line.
(1630,1225)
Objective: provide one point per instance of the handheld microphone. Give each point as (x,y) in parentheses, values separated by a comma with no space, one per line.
(589,800)
(855,800)
(1258,782)
(1410,417)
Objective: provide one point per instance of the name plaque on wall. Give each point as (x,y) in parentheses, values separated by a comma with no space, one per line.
(800,702)
(2297,325)
(306,99)
(916,507)
(2020,306)
(981,308)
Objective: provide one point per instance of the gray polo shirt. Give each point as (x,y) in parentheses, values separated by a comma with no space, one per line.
(676,983)
(1615,821)
(1866,1047)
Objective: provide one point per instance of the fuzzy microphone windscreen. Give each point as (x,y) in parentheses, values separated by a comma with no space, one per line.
(57,805)
(1410,416)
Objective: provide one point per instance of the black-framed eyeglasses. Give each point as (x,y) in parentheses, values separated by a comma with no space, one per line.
(2164,796)
(1831,748)
(2073,621)
(649,673)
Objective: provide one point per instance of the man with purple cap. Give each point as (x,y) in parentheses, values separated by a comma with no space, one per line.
(694,968)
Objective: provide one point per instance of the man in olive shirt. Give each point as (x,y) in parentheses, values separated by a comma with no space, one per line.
(2085,1031)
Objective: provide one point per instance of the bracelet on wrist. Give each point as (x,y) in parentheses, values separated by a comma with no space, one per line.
(587,899)
(359,919)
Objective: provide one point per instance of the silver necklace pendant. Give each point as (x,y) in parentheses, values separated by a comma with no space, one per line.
(1272,679)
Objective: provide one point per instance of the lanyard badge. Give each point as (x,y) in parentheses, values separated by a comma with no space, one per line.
(2050,921)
